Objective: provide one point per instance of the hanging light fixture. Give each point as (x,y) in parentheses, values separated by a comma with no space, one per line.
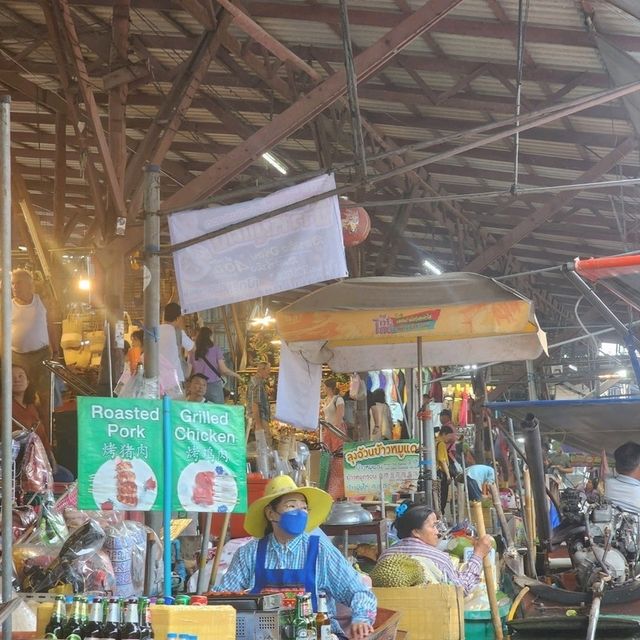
(259,319)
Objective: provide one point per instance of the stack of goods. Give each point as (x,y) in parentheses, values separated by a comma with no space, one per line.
(98,618)
(83,617)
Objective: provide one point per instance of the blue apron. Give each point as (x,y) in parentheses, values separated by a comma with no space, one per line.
(273,578)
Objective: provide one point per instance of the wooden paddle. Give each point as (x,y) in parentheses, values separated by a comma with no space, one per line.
(489,577)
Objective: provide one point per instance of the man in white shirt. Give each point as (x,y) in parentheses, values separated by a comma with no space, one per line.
(173,339)
(623,489)
(30,339)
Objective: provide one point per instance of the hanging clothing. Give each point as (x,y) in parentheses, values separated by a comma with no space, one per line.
(380,421)
(464,410)
(298,392)
(435,390)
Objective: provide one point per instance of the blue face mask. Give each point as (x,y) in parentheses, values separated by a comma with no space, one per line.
(294,522)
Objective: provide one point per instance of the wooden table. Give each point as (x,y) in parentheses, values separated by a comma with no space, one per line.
(377,528)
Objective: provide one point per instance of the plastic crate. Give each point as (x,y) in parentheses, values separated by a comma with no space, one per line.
(258,624)
(478,624)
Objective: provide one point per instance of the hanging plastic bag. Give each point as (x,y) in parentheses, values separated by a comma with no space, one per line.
(69,567)
(33,471)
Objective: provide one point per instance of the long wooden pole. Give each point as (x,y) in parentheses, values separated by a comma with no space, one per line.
(489,576)
(221,540)
(530,520)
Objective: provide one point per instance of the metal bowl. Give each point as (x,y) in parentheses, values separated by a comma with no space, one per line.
(348,513)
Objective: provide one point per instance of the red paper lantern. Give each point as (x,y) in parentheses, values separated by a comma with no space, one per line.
(356,224)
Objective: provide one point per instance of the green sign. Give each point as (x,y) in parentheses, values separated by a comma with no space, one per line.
(209,457)
(395,463)
(119,454)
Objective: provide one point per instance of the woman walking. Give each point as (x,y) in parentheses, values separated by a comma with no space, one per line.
(208,360)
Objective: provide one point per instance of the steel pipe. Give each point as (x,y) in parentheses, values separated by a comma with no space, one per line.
(5,368)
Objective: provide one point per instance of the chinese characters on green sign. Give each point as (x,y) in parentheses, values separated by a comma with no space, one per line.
(120,455)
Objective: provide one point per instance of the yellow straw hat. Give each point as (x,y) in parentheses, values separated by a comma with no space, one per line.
(319,502)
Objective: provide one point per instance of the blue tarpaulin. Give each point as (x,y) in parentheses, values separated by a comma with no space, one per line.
(589,425)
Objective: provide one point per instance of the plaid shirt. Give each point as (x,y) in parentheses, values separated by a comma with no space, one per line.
(467,578)
(257,394)
(334,575)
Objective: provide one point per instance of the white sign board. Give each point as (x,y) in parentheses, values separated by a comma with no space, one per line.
(291,250)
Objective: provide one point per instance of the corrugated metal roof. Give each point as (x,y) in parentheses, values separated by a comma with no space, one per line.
(421,95)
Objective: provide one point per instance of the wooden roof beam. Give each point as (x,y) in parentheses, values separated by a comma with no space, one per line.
(313,103)
(555,203)
(57,44)
(118,97)
(160,135)
(115,188)
(450,25)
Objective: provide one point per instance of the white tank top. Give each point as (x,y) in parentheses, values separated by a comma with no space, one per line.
(29,326)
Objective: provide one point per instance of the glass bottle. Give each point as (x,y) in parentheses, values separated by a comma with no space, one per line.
(53,630)
(146,632)
(309,617)
(300,631)
(131,628)
(73,628)
(323,623)
(111,627)
(93,627)
(84,610)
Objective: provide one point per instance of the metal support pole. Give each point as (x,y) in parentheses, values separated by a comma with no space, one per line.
(427,439)
(531,380)
(107,330)
(151,292)
(352,93)
(5,370)
(623,331)
(533,449)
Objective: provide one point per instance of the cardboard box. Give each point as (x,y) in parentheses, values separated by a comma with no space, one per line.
(211,622)
(428,612)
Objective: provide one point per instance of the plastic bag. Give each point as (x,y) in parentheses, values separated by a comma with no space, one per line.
(137,386)
(98,573)
(33,471)
(28,555)
(51,527)
(69,567)
(22,519)
(122,542)
(75,518)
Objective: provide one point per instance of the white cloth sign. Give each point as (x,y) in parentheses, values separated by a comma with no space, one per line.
(291,250)
(298,399)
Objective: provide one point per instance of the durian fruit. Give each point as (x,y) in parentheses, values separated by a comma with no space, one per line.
(397,570)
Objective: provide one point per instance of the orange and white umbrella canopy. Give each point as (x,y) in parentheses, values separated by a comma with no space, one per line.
(363,324)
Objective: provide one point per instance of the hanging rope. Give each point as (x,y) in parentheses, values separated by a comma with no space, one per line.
(522,19)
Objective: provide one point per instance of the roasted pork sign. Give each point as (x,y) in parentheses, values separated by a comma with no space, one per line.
(120,455)
(209,460)
(393,463)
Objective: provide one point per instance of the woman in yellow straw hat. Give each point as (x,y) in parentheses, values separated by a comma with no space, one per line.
(284,556)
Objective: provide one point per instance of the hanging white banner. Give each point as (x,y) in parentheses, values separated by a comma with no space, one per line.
(291,250)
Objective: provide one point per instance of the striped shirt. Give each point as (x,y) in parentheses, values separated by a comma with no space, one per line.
(334,575)
(467,578)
